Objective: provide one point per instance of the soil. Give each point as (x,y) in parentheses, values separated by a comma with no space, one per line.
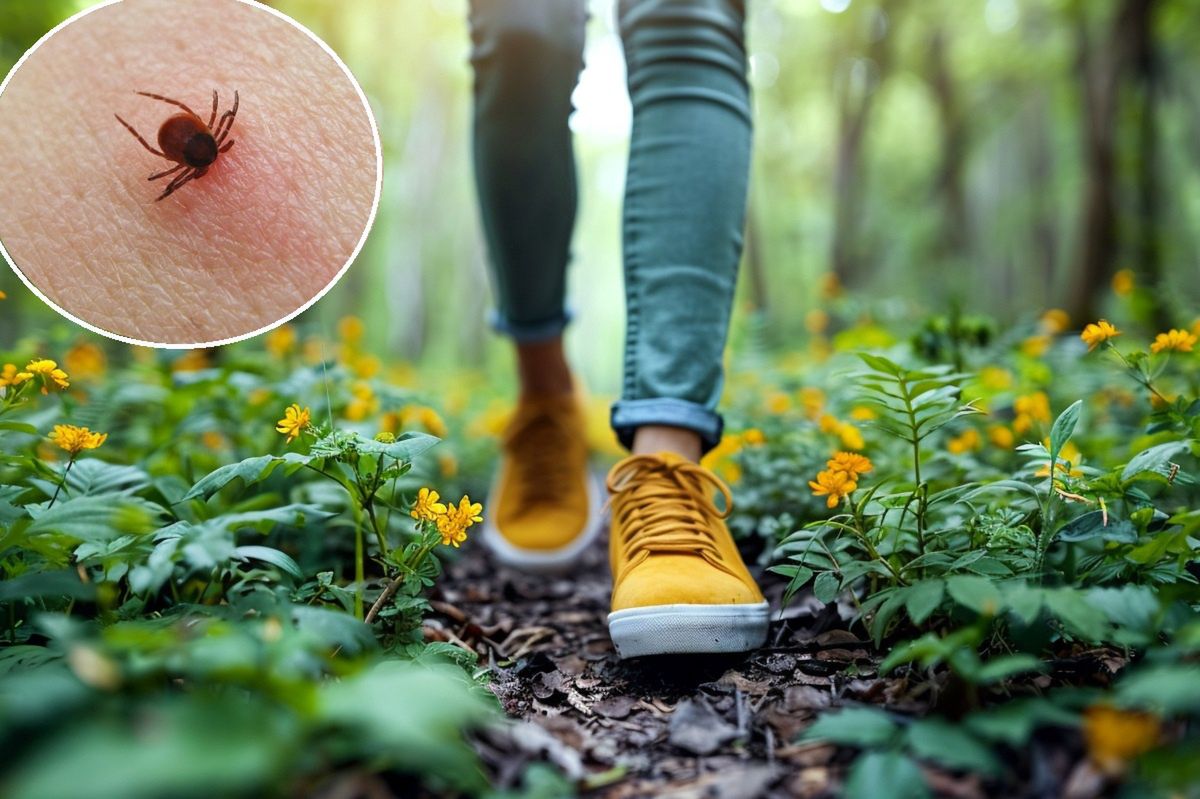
(694,726)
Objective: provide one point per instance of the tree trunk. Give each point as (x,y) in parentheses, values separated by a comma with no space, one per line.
(1102,73)
(849,259)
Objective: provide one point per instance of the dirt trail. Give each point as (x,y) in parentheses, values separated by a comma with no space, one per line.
(711,726)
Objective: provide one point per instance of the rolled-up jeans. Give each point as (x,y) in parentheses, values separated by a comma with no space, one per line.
(685,190)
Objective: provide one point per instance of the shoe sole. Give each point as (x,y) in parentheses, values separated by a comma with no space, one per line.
(547,561)
(683,629)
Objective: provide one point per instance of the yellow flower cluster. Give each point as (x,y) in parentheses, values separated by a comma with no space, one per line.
(719,458)
(363,401)
(43,370)
(295,420)
(86,361)
(1174,341)
(1097,333)
(847,433)
(840,479)
(452,520)
(74,439)
(1030,410)
(967,441)
(281,341)
(1115,736)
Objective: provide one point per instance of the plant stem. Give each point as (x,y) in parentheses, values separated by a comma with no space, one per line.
(62,482)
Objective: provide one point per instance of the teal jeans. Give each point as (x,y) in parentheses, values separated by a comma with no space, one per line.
(685,190)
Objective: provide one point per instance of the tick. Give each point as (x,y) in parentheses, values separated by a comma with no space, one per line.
(186,140)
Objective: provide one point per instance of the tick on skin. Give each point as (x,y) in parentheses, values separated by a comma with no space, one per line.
(186,140)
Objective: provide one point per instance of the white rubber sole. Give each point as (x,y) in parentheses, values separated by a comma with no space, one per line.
(681,629)
(541,561)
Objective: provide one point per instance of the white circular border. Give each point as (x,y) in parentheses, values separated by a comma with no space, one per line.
(336,279)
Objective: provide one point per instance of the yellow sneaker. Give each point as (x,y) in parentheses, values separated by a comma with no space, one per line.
(544,507)
(679,584)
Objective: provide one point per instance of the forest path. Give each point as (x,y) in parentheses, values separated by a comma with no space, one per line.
(694,726)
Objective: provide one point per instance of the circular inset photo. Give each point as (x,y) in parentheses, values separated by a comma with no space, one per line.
(183,173)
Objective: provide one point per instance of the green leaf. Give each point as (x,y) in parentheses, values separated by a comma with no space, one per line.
(1155,460)
(826,587)
(280,560)
(923,598)
(950,746)
(1097,524)
(1168,689)
(19,427)
(1064,427)
(1001,668)
(405,448)
(855,726)
(1080,618)
(250,471)
(890,774)
(977,593)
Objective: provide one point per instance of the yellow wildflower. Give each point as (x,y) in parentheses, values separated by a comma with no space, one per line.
(754,436)
(1030,409)
(828,423)
(1177,340)
(9,376)
(850,462)
(830,285)
(812,400)
(849,436)
(364,366)
(85,360)
(777,402)
(351,329)
(425,417)
(363,402)
(1115,736)
(1097,333)
(51,377)
(295,420)
(447,464)
(1035,346)
(74,440)
(3,296)
(995,378)
(1055,321)
(1069,458)
(968,441)
(455,522)
(281,341)
(191,361)
(1001,437)
(212,440)
(1122,282)
(427,508)
(815,321)
(835,485)
(862,413)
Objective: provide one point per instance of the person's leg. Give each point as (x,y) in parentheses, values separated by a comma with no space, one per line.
(685,199)
(679,584)
(527,55)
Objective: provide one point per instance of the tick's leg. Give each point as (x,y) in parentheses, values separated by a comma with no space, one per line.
(176,183)
(225,147)
(169,100)
(138,136)
(213,118)
(170,171)
(226,123)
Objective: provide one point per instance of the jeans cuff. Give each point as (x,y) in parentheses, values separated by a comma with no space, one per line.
(526,332)
(628,415)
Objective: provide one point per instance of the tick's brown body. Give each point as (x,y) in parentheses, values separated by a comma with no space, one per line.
(186,140)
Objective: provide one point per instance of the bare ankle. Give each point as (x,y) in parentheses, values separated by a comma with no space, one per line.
(651,439)
(542,367)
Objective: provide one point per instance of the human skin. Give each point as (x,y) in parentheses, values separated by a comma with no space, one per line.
(269,226)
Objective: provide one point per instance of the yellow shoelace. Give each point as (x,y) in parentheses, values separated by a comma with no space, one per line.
(667,507)
(538,446)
